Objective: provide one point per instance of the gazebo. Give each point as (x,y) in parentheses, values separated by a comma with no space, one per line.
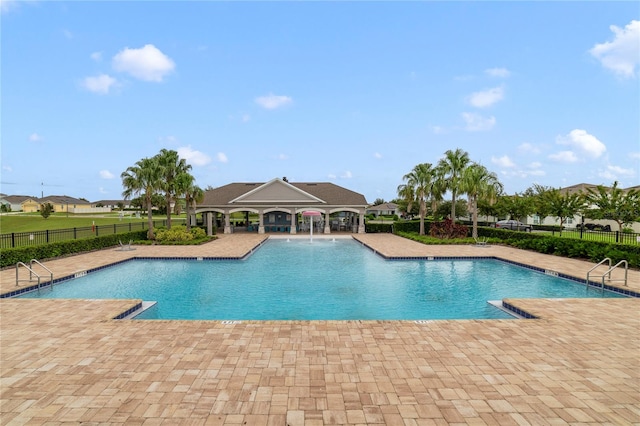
(279,205)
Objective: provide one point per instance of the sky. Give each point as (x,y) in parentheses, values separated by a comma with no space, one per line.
(353,93)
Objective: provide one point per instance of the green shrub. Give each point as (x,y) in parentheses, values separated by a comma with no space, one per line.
(11,256)
(593,251)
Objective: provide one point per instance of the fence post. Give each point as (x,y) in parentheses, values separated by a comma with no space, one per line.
(617,236)
(13,239)
(47,235)
(75,234)
(114,229)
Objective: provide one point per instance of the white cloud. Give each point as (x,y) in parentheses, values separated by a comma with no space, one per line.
(34,137)
(100,84)
(221,156)
(438,130)
(486,98)
(476,122)
(7,168)
(622,55)
(535,165)
(168,139)
(564,157)
(282,157)
(528,148)
(584,142)
(7,5)
(377,155)
(147,63)
(613,172)
(331,176)
(634,155)
(193,157)
(503,161)
(106,174)
(498,72)
(272,101)
(96,56)
(102,190)
(346,175)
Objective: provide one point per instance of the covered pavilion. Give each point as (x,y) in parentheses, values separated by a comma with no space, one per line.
(279,206)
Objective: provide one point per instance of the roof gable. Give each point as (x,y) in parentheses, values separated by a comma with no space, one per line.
(276,190)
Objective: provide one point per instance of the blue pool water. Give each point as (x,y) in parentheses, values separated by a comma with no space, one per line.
(323,280)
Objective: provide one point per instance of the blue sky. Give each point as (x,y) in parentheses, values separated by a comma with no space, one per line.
(352,93)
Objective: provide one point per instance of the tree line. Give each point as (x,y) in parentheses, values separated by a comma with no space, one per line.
(426,184)
(166,175)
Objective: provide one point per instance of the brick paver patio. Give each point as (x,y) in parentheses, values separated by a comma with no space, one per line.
(65,361)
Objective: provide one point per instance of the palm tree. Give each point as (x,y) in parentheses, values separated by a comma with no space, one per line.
(451,167)
(407,193)
(143,179)
(436,191)
(479,183)
(419,179)
(185,185)
(171,165)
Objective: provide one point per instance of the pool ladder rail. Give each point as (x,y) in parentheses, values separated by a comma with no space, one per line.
(607,273)
(32,273)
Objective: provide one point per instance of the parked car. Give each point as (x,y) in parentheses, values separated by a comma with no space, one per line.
(594,227)
(513,225)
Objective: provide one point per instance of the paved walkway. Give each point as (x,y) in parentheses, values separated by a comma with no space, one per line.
(65,361)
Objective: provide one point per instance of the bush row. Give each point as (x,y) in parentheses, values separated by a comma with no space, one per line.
(594,251)
(12,256)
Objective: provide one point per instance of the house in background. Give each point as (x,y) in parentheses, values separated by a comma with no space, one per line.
(386,209)
(112,204)
(573,222)
(14,202)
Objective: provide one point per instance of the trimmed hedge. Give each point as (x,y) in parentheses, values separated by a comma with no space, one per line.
(41,252)
(377,228)
(593,251)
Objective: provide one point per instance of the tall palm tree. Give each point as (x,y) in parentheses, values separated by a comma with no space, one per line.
(171,165)
(420,178)
(143,179)
(452,167)
(436,191)
(407,193)
(185,185)
(479,183)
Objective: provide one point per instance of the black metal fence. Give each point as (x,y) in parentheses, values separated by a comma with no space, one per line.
(33,238)
(618,237)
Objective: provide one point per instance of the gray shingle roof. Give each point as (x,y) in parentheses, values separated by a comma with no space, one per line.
(330,193)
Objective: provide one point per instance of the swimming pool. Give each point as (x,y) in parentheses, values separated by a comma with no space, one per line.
(323,280)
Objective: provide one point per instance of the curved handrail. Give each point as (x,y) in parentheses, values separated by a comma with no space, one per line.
(626,268)
(44,267)
(606,259)
(31,271)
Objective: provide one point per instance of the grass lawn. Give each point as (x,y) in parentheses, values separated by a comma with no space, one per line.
(34,222)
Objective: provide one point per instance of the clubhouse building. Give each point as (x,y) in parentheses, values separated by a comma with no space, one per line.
(282,206)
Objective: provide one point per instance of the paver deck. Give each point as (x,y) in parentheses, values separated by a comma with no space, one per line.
(66,361)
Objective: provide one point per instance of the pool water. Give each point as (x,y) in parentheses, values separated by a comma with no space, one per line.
(319,280)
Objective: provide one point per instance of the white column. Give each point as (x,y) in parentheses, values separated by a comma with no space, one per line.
(327,223)
(227,222)
(294,221)
(361,223)
(261,224)
(209,219)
